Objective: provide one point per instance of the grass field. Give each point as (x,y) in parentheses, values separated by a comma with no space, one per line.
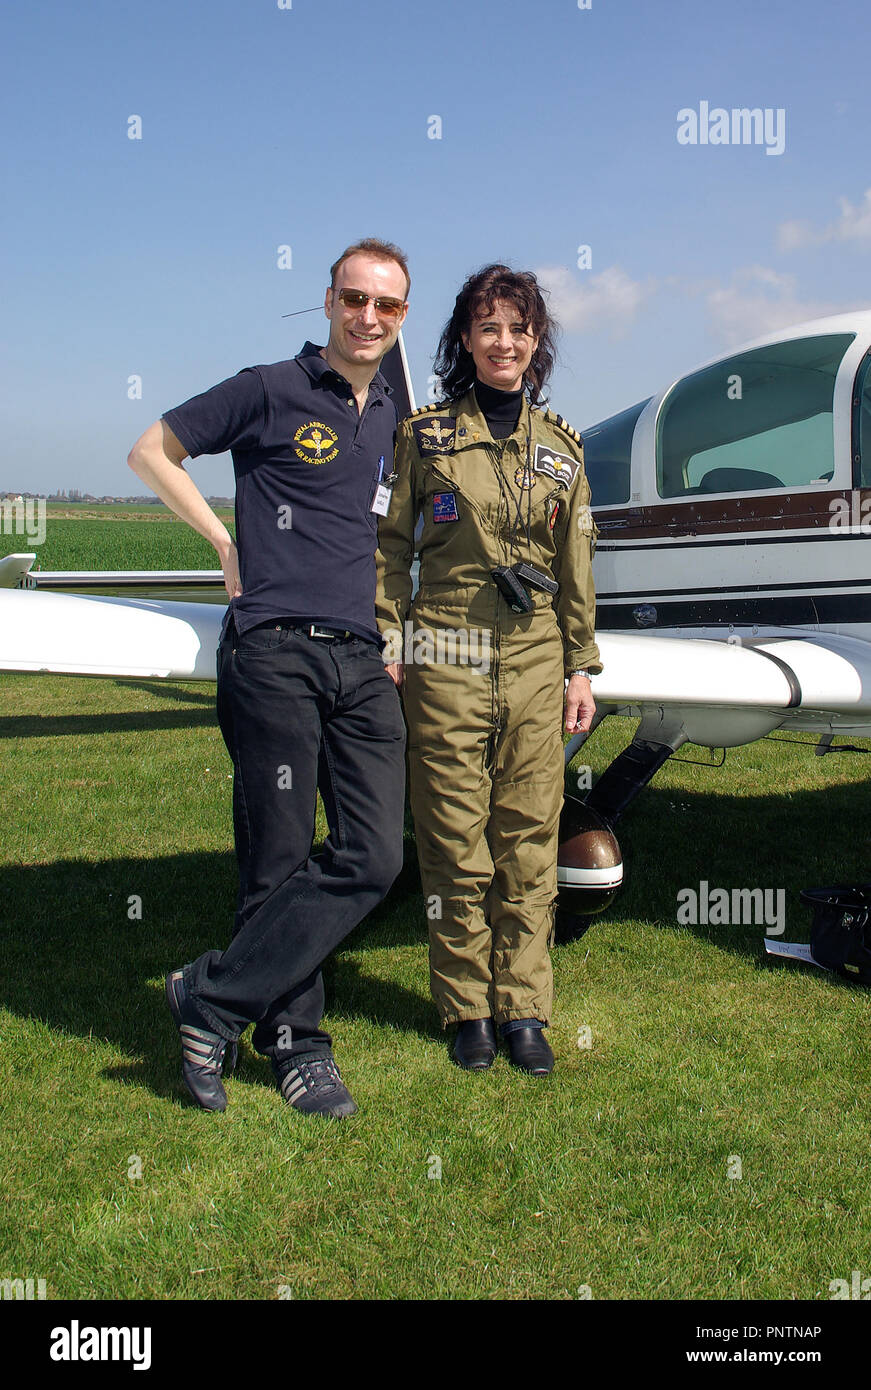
(712,1141)
(122,539)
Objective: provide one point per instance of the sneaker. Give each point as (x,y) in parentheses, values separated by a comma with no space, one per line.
(310,1082)
(202,1051)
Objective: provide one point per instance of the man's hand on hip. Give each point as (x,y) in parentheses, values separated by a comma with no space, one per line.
(229,557)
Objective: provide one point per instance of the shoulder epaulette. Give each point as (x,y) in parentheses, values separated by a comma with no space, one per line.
(425,409)
(563,424)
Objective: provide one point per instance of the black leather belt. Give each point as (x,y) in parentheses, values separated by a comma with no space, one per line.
(325,633)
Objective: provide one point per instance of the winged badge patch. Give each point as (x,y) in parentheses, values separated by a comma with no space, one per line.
(434,436)
(561,467)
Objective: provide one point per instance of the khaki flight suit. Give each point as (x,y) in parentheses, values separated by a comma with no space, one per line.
(483,689)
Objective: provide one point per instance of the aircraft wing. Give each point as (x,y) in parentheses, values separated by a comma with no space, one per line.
(14,570)
(721,692)
(731,690)
(72,634)
(107,581)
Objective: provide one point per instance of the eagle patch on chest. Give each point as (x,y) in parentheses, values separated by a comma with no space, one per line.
(561,467)
(434,435)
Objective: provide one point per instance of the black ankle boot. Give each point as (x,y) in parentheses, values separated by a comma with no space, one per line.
(475,1044)
(529,1050)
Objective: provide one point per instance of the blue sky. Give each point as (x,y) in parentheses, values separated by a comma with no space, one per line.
(307,127)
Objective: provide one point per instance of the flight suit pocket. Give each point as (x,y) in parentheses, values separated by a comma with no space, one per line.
(441,500)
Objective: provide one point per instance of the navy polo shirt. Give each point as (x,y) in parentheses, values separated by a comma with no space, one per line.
(307,464)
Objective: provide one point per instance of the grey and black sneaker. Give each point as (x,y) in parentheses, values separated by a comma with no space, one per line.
(310,1082)
(202,1051)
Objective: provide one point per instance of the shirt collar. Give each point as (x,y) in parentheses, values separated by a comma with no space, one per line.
(471,423)
(322,374)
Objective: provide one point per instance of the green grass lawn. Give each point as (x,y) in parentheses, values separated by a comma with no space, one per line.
(610,1178)
(120,540)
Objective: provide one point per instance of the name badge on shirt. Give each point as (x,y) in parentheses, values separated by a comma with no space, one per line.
(381,500)
(444,507)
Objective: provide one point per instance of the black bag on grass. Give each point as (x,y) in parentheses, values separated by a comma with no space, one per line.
(841,929)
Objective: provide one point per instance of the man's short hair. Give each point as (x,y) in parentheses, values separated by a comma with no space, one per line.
(380,250)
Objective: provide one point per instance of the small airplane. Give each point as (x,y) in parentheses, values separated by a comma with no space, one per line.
(733,574)
(733,568)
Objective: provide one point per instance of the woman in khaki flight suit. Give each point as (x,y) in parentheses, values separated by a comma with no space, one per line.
(500,484)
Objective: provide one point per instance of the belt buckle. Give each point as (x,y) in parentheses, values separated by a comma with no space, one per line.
(324,633)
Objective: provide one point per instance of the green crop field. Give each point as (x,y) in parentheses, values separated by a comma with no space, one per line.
(708,1138)
(115,542)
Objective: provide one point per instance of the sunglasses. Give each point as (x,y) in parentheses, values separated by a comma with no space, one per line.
(385,307)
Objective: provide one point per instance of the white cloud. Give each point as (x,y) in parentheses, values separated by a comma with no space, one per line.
(792,235)
(854,224)
(586,301)
(754,301)
(759,300)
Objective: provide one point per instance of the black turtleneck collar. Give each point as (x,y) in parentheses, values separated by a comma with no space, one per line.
(501,409)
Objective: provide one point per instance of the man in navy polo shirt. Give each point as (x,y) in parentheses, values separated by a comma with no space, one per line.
(304,700)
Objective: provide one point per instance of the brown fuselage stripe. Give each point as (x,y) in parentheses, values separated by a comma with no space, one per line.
(700,517)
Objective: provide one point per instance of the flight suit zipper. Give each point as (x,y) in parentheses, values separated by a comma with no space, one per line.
(503,512)
(497,449)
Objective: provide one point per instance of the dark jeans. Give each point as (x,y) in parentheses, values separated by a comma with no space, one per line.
(300,714)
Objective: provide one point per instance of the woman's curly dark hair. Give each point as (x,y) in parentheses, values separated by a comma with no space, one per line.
(455,366)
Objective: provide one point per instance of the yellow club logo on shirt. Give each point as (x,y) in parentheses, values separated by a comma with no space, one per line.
(316,442)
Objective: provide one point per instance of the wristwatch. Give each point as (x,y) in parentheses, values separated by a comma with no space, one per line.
(588,675)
